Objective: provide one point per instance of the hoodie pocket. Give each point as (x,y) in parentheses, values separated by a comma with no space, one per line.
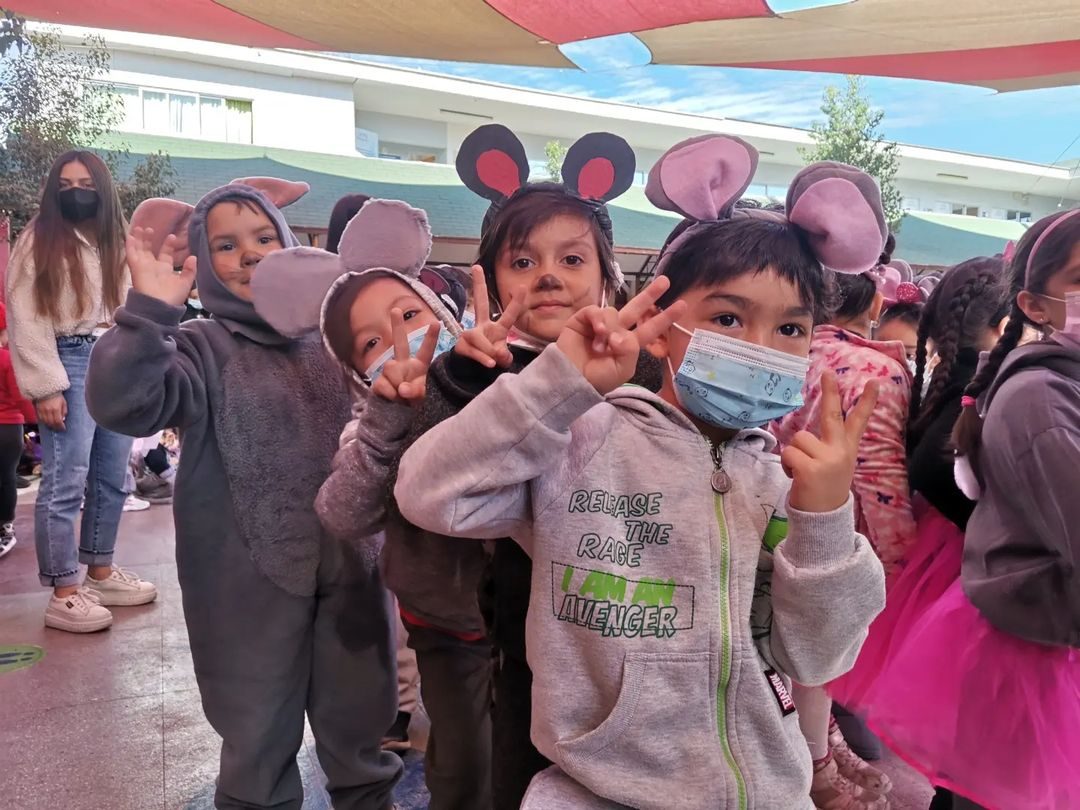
(663,723)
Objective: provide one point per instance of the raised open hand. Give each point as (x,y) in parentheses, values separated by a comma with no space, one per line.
(157,276)
(486,342)
(822,469)
(604,343)
(404,378)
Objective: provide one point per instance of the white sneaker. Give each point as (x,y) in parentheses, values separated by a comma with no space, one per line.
(122,588)
(133,504)
(80,612)
(7,538)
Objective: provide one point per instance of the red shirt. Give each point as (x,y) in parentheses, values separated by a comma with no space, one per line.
(15,409)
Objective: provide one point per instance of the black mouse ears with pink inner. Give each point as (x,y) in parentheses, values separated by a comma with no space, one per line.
(492,163)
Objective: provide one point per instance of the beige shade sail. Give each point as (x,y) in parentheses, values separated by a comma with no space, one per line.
(1002,44)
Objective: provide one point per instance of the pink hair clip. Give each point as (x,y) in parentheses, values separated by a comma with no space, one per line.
(967,402)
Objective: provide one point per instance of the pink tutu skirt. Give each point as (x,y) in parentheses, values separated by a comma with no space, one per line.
(983,713)
(930,568)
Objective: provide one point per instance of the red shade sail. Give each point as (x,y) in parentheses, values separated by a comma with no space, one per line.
(1003,44)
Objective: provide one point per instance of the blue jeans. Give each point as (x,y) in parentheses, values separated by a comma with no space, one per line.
(84,458)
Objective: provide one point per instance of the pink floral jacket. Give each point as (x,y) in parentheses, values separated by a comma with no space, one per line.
(882,499)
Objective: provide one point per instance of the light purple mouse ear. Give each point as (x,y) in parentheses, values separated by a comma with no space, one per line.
(288,288)
(166,217)
(280,192)
(701,178)
(839,209)
(389,234)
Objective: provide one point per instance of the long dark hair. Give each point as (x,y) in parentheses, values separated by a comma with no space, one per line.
(344,210)
(56,243)
(529,208)
(1053,253)
(972,298)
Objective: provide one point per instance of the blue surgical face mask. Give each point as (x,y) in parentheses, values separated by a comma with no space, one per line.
(733,384)
(416,340)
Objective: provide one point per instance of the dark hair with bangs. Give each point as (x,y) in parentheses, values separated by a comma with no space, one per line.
(908,312)
(725,250)
(529,208)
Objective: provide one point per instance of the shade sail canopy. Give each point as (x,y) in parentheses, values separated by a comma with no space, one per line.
(1002,44)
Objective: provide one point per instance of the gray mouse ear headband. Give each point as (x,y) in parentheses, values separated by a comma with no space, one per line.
(290,286)
(837,207)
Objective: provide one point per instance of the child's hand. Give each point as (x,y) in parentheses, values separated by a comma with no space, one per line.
(604,343)
(822,469)
(404,378)
(156,276)
(486,342)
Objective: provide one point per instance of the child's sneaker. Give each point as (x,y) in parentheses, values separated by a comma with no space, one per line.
(397,738)
(7,538)
(133,504)
(829,790)
(853,767)
(122,588)
(153,488)
(80,612)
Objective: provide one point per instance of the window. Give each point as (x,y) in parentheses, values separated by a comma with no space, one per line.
(910,204)
(1019,216)
(993,213)
(189,115)
(961,209)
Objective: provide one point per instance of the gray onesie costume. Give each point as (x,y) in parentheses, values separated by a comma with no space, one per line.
(281,619)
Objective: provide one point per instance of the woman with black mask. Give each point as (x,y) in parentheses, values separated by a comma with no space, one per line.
(66,277)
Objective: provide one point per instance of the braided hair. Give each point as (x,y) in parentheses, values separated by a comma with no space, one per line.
(971,298)
(1052,256)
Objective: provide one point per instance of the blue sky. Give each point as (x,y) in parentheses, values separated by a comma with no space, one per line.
(1035,125)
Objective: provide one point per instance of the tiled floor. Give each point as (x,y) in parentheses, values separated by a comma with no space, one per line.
(112,720)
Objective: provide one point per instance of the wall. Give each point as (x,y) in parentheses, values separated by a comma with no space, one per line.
(425,135)
(288,112)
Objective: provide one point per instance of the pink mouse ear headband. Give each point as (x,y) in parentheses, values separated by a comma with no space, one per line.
(896,283)
(171,217)
(597,168)
(837,207)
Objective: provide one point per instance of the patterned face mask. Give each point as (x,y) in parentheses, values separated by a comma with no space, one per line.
(737,385)
(416,340)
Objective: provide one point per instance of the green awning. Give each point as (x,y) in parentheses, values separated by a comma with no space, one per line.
(947,239)
(455,212)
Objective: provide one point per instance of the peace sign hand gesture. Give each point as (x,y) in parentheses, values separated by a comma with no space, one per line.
(404,378)
(156,276)
(822,469)
(486,342)
(604,343)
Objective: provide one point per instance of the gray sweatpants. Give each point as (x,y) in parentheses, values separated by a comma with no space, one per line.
(264,657)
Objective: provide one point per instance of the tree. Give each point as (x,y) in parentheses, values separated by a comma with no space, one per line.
(556,153)
(850,135)
(53,99)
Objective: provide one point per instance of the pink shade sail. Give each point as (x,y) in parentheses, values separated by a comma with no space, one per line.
(1002,44)
(563,21)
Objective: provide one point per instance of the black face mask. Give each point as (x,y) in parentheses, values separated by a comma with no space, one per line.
(79,204)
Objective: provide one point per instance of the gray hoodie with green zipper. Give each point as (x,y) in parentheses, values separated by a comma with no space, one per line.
(665,621)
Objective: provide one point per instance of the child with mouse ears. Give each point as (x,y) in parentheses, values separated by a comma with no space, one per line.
(284,622)
(682,573)
(546,251)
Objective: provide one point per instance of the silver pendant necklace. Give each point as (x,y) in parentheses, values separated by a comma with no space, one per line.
(721,481)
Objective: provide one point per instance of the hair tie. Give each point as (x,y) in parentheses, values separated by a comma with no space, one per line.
(967,402)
